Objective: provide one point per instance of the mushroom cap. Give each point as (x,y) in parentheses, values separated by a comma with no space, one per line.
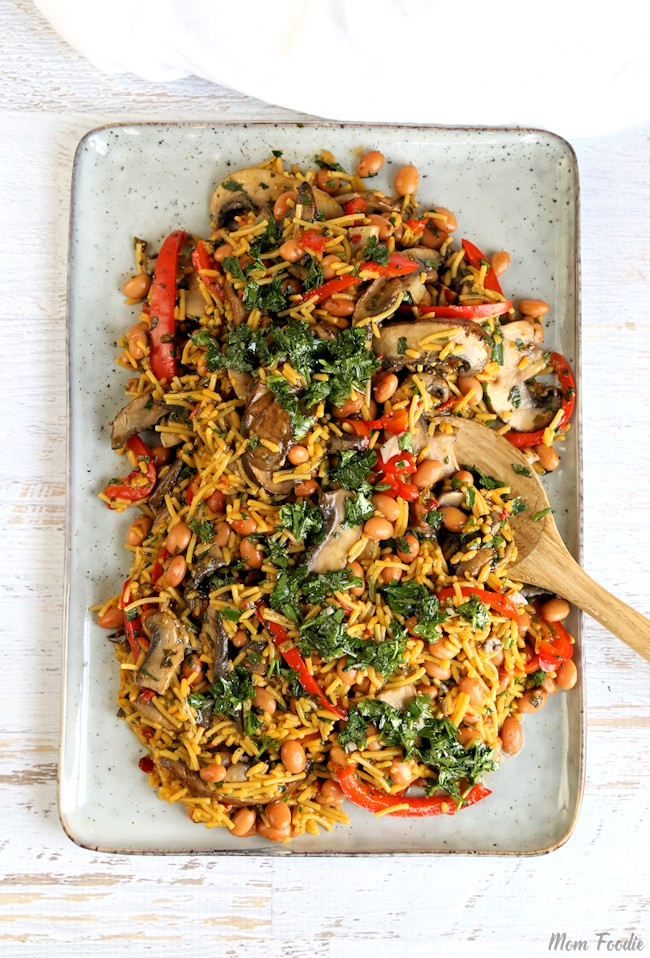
(509,396)
(395,338)
(252,188)
(265,418)
(332,552)
(165,653)
(140,414)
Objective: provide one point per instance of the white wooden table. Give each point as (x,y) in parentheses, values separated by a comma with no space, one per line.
(57,899)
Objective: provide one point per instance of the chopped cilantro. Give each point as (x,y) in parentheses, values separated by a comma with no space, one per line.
(515,397)
(485,481)
(405,442)
(402,345)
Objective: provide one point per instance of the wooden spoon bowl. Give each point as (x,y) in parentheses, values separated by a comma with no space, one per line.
(542,557)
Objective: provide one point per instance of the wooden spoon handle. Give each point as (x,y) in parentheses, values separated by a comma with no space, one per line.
(571,581)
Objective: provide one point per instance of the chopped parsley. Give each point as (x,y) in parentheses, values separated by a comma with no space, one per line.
(203,530)
(430,740)
(294,586)
(227,695)
(357,510)
(301,519)
(520,470)
(268,297)
(402,345)
(413,598)
(376,251)
(405,442)
(326,635)
(353,468)
(475,612)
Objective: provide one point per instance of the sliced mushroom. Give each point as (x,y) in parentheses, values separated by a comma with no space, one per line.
(472,566)
(208,563)
(165,486)
(360,236)
(187,777)
(170,439)
(165,654)
(398,698)
(377,299)
(307,201)
(152,716)
(395,338)
(265,418)
(440,446)
(346,441)
(332,552)
(436,385)
(195,302)
(427,259)
(509,395)
(213,629)
(140,414)
(237,310)
(252,189)
(240,382)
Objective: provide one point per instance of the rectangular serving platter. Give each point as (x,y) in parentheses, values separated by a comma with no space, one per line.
(509,189)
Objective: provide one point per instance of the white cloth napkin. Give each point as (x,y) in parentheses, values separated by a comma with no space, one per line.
(577,67)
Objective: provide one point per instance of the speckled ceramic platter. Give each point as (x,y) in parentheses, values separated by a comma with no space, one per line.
(510,189)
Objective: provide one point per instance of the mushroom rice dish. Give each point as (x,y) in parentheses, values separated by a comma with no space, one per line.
(318,609)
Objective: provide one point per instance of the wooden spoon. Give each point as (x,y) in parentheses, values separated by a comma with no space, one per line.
(543,559)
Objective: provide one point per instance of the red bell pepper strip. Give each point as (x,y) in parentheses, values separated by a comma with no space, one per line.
(127,488)
(392,472)
(501,604)
(474,257)
(356,205)
(295,661)
(477,312)
(202,260)
(132,627)
(417,226)
(319,293)
(313,240)
(556,650)
(532,664)
(394,422)
(365,796)
(158,569)
(523,440)
(397,265)
(163,301)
